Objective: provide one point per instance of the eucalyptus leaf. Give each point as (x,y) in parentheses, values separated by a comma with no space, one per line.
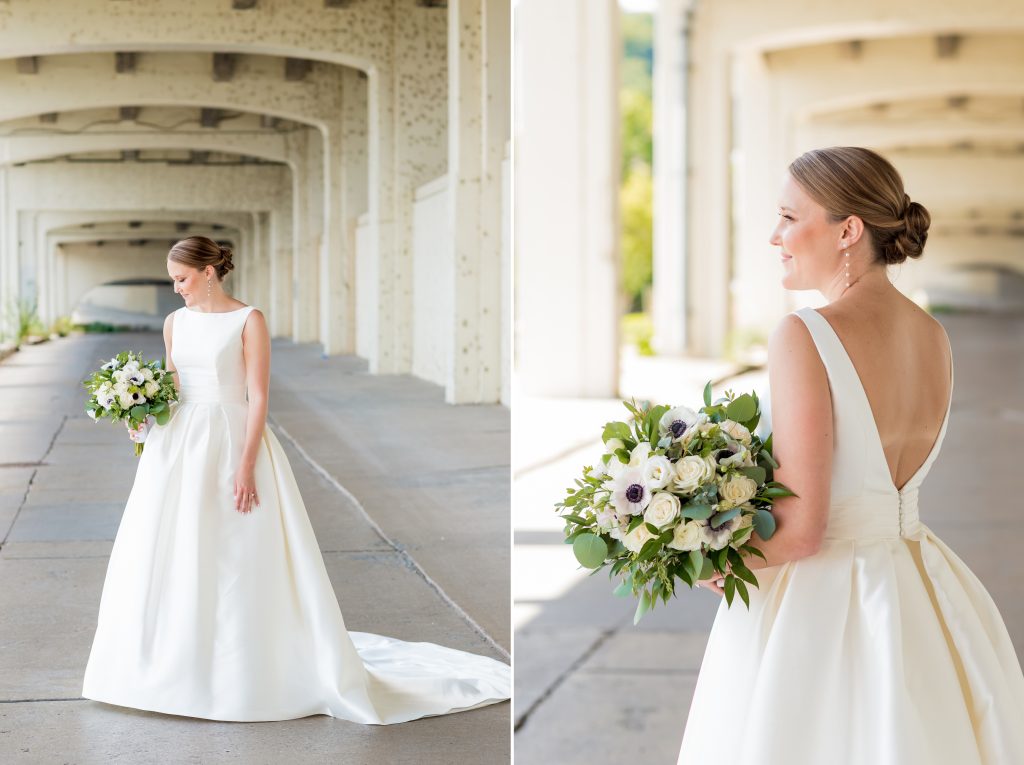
(590,550)
(741,408)
(764,523)
(726,515)
(707,394)
(697,512)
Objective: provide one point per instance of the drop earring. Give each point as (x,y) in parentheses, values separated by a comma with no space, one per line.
(209,286)
(847,268)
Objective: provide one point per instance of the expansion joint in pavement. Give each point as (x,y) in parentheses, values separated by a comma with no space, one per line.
(407,559)
(598,642)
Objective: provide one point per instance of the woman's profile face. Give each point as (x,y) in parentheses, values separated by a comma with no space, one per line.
(809,243)
(189,282)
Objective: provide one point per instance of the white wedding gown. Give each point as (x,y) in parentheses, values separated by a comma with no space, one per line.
(881,649)
(212,613)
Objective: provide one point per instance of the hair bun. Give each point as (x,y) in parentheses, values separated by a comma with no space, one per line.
(225,264)
(909,243)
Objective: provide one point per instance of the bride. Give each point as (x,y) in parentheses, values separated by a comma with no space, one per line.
(868,640)
(216,602)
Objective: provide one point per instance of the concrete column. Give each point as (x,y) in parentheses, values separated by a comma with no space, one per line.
(8,257)
(478,100)
(308,234)
(709,192)
(382,208)
(760,157)
(335,269)
(354,180)
(281,272)
(671,212)
(566,220)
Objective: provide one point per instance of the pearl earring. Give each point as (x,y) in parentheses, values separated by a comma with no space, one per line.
(209,287)
(847,268)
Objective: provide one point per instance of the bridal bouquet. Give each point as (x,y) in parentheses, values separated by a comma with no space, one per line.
(676,496)
(134,391)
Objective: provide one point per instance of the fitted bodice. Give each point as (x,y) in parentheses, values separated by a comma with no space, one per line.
(865,504)
(206,350)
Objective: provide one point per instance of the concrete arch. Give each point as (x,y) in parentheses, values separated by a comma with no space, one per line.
(20,149)
(63,86)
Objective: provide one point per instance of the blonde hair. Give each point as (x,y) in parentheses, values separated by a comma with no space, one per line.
(850,180)
(200,252)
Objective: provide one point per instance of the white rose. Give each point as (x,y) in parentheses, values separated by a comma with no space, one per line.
(612,444)
(663,509)
(151,388)
(640,454)
(147,373)
(737,490)
(687,536)
(635,539)
(125,400)
(658,471)
(737,431)
(691,471)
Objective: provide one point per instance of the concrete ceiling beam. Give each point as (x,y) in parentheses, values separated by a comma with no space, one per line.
(28,65)
(124,63)
(224,66)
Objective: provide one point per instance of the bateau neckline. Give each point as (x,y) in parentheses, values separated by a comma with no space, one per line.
(216,313)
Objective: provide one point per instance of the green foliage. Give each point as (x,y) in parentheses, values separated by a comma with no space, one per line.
(638,330)
(650,568)
(637,188)
(128,389)
(636,198)
(62,326)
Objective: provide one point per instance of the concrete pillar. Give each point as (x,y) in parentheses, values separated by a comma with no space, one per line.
(335,268)
(478,112)
(354,182)
(671,211)
(566,220)
(709,193)
(281,271)
(308,234)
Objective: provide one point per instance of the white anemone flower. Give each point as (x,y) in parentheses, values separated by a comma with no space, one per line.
(717,537)
(630,493)
(676,422)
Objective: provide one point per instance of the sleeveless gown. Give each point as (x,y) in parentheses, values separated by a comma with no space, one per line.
(882,648)
(211,613)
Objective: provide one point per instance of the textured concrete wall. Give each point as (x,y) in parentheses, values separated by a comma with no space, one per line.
(365,126)
(433,283)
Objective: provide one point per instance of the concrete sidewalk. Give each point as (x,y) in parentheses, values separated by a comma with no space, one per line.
(387,472)
(590,688)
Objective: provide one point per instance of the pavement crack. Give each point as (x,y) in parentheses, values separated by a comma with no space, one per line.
(32,479)
(557,682)
(410,562)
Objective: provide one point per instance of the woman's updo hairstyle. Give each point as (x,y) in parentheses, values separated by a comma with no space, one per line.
(849,180)
(200,252)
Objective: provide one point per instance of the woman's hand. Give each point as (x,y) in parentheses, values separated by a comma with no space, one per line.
(714,583)
(245,490)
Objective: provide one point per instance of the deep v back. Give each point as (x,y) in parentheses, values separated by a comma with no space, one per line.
(865,499)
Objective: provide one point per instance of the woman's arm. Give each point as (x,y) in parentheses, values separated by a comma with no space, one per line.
(256,350)
(168,338)
(801,444)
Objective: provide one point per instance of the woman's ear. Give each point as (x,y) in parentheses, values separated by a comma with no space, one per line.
(852,231)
